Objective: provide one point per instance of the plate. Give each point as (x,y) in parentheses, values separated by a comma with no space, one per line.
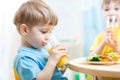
(103,63)
(83,60)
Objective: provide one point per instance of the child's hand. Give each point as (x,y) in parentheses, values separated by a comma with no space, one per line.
(57,52)
(110,39)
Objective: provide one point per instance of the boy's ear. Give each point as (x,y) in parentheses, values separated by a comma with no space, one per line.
(24,30)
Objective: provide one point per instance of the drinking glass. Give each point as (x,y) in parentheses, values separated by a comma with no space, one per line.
(63,62)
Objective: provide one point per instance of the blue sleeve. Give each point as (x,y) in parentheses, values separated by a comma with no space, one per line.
(28,68)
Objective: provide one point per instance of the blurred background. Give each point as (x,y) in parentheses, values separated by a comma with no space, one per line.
(79,22)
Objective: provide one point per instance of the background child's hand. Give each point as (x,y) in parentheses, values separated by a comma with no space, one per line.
(57,52)
(110,39)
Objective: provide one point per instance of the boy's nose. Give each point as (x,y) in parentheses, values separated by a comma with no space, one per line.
(47,37)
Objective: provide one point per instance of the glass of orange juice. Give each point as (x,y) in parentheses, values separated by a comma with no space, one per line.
(63,62)
(112,22)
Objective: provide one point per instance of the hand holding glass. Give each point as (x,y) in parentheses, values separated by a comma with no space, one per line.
(63,62)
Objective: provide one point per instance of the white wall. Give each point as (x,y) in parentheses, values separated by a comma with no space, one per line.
(9,39)
(68,12)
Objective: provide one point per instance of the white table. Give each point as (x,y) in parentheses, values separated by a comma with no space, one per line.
(104,72)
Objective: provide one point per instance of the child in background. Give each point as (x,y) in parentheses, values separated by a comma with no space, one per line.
(109,40)
(34,21)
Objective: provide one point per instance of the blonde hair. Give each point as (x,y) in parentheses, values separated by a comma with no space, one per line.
(33,12)
(107,2)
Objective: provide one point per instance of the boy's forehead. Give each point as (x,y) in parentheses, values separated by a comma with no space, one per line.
(45,26)
(107,3)
(48,27)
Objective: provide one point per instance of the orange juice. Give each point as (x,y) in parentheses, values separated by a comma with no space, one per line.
(63,62)
(111,22)
(115,29)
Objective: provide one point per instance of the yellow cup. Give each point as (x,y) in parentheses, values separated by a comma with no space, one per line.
(63,62)
(115,29)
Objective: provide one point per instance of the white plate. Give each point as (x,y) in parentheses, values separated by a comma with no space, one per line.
(103,63)
(83,60)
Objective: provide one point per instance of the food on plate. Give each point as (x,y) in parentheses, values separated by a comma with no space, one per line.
(111,57)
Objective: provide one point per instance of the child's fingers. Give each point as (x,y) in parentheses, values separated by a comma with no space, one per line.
(107,40)
(110,34)
(60,47)
(109,31)
(112,40)
(63,53)
(67,55)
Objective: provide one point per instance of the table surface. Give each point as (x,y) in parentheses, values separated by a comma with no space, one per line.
(111,70)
